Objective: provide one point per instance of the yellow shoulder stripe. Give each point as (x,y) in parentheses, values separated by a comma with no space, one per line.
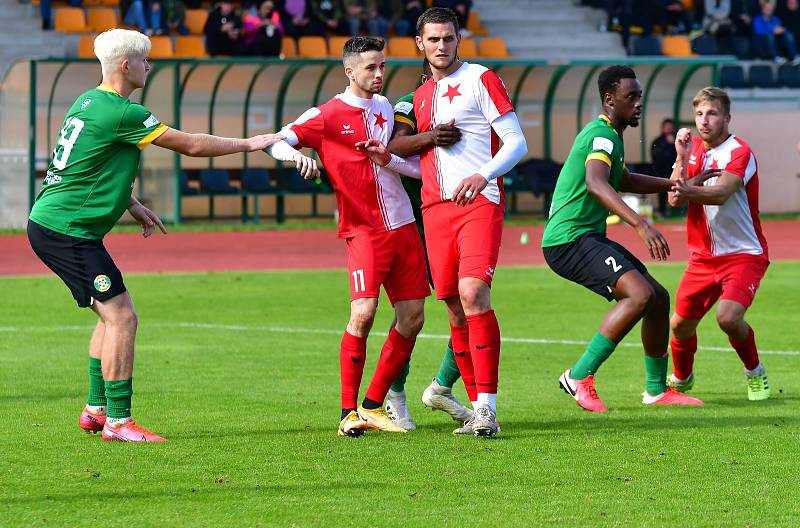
(152,136)
(406,121)
(598,156)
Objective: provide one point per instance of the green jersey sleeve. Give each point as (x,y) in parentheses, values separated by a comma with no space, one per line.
(404,112)
(602,145)
(139,126)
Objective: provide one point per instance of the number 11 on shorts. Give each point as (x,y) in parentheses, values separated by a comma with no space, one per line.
(358,281)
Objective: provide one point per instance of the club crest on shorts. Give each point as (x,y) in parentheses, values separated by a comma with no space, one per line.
(102,283)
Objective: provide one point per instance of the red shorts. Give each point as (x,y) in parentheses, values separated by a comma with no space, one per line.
(706,279)
(462,242)
(395,259)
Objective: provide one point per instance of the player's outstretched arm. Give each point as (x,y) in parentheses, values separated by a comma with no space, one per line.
(405,143)
(719,193)
(207,146)
(644,184)
(146,218)
(597,174)
(284,151)
(380,155)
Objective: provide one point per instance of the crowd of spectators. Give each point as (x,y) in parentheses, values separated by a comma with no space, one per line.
(764,29)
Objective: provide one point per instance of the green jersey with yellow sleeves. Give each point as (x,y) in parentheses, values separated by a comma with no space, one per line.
(404,113)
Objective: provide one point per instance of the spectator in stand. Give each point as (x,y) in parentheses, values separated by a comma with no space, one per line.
(364,14)
(717,21)
(297,18)
(663,153)
(223,29)
(47,12)
(790,15)
(676,16)
(461,9)
(412,9)
(146,16)
(262,30)
(769,35)
(392,12)
(328,16)
(742,13)
(173,14)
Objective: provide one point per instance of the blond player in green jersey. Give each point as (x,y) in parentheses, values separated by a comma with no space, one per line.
(88,187)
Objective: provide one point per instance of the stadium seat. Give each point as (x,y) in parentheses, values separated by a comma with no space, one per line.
(217,181)
(290,180)
(676,46)
(705,45)
(195,20)
(494,47)
(91,3)
(190,46)
(645,45)
(257,181)
(402,48)
(732,76)
(70,20)
(336,45)
(111,3)
(467,49)
(162,48)
(102,18)
(474,24)
(761,76)
(312,47)
(288,47)
(789,76)
(86,47)
(186,189)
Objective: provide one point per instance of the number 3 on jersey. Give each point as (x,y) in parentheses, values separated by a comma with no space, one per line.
(358,281)
(66,140)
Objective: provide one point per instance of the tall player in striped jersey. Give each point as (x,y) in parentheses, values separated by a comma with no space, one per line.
(728,250)
(463,202)
(87,189)
(377,223)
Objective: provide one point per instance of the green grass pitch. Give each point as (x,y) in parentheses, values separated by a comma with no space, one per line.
(240,372)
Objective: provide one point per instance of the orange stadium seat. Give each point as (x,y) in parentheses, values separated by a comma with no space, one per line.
(89,3)
(102,18)
(312,47)
(288,47)
(336,45)
(112,3)
(403,48)
(190,46)
(474,24)
(162,48)
(195,20)
(494,47)
(86,47)
(676,46)
(467,49)
(70,20)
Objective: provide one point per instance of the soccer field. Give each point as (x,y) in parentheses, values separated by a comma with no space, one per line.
(240,372)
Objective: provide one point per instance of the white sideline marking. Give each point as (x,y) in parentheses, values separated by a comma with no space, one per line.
(301,330)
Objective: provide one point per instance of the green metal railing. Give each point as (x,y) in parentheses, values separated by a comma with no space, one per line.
(524,80)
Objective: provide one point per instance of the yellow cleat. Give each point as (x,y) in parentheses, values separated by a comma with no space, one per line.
(378,420)
(352,425)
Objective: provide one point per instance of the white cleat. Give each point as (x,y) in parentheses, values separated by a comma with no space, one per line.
(442,398)
(397,409)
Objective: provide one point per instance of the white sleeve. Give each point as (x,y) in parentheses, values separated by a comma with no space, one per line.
(406,166)
(284,150)
(513,149)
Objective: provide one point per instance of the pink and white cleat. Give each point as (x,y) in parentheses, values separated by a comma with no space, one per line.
(130,432)
(669,397)
(583,391)
(91,422)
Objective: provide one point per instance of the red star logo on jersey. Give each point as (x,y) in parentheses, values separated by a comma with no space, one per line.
(452,92)
(379,119)
(713,164)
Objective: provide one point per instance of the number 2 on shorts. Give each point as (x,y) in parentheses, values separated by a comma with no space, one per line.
(358,281)
(611,261)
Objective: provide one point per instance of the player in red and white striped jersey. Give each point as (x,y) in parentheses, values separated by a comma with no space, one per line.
(728,250)
(377,223)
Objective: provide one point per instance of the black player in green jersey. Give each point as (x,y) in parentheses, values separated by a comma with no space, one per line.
(407,142)
(88,187)
(575,245)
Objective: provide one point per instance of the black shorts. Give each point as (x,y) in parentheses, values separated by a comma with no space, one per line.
(83,264)
(593,261)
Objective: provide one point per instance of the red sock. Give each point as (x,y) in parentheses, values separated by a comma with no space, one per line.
(351,365)
(747,350)
(484,344)
(395,354)
(683,356)
(460,338)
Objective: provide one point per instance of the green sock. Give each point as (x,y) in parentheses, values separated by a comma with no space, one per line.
(599,349)
(448,371)
(656,369)
(399,384)
(97,387)
(119,394)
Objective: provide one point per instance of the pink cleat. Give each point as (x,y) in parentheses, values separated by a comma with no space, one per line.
(130,432)
(91,422)
(669,397)
(583,392)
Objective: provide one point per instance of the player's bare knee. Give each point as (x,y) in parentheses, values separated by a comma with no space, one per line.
(729,322)
(412,322)
(660,300)
(474,298)
(641,298)
(361,320)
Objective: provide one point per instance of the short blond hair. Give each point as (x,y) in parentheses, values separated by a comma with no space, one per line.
(712,94)
(115,45)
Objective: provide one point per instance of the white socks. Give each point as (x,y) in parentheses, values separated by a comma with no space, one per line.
(117,422)
(96,409)
(486,398)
